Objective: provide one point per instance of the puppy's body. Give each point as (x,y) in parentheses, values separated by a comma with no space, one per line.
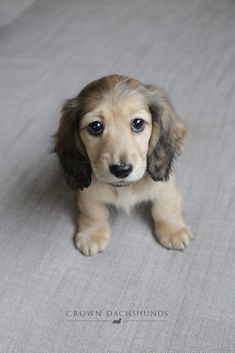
(94,231)
(116,142)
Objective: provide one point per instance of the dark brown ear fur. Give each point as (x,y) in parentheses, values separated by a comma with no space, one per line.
(167,137)
(75,164)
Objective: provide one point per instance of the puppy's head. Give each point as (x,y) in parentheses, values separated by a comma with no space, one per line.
(119,129)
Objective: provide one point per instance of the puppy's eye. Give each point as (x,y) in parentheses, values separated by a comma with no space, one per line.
(137,125)
(95,128)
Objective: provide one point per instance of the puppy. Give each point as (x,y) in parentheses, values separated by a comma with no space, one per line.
(116,143)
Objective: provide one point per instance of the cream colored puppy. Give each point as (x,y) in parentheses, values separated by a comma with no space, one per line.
(116,143)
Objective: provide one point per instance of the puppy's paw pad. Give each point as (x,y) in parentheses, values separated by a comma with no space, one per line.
(177,240)
(91,244)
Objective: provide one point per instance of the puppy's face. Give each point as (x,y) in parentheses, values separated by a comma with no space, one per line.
(115,135)
(118,129)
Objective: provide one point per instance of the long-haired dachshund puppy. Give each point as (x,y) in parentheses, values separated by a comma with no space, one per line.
(116,142)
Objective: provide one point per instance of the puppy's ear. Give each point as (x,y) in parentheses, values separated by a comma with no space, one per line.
(68,147)
(167,138)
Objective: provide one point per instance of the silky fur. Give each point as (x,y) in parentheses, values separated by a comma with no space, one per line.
(115,101)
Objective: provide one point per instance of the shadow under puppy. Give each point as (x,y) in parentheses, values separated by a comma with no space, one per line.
(116,143)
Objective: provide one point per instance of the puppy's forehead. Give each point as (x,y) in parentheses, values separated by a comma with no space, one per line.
(115,98)
(122,105)
(113,90)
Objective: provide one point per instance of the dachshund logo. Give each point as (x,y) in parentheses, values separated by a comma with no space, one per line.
(117,321)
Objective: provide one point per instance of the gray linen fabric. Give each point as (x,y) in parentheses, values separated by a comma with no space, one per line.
(48,51)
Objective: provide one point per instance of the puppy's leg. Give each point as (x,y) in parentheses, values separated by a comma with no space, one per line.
(93,226)
(169,225)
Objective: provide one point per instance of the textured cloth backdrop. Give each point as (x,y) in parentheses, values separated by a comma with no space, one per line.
(48,51)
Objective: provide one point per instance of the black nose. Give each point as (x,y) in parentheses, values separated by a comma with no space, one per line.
(120,170)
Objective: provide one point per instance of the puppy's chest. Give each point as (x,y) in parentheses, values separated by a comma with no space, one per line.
(124,198)
(128,197)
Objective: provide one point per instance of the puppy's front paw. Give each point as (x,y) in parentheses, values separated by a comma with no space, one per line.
(92,243)
(171,238)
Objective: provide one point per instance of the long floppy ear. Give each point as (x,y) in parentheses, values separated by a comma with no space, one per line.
(167,137)
(68,147)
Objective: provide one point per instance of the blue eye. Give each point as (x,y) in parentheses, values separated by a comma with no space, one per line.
(95,128)
(137,125)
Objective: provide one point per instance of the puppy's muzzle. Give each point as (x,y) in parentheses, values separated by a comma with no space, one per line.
(120,170)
